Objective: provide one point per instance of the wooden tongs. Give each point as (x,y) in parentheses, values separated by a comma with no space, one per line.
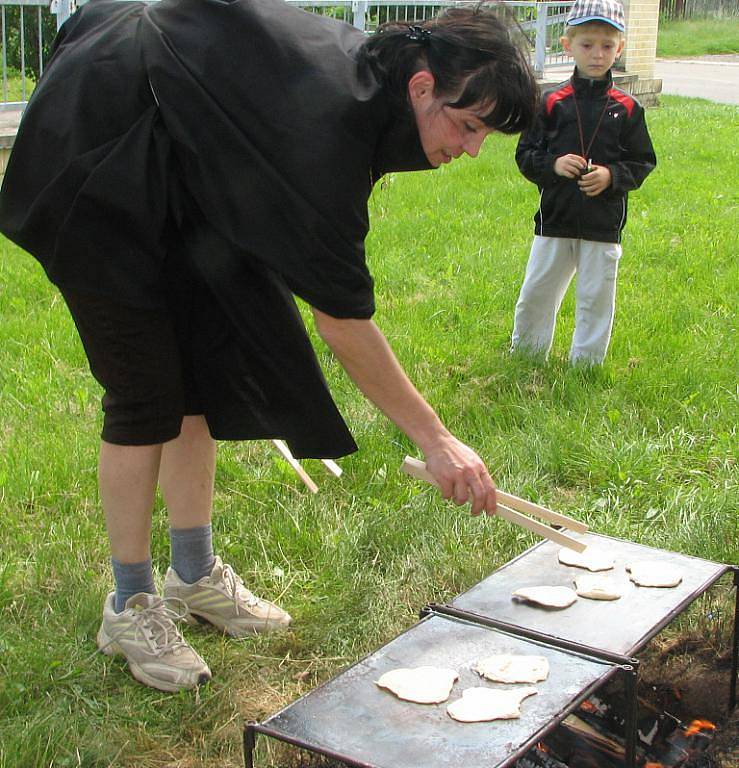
(507,510)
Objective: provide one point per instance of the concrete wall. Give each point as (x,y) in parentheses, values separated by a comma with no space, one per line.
(4,155)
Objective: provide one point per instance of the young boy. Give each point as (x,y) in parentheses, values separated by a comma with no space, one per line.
(588,149)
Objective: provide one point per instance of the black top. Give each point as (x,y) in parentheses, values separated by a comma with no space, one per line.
(238,138)
(614,133)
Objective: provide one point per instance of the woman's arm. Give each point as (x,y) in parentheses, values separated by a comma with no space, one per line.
(365,354)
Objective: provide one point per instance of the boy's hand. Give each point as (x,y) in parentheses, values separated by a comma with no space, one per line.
(595,182)
(570,166)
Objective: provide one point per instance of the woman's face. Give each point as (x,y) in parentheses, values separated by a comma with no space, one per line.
(446,133)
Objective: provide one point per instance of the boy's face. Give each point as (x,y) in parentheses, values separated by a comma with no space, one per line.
(594,47)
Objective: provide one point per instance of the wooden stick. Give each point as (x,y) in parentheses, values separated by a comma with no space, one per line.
(295,464)
(539,528)
(332,467)
(417,469)
(522,505)
(413,466)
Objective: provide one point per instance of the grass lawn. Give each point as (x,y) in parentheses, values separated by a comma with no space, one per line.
(13,89)
(697,37)
(643,449)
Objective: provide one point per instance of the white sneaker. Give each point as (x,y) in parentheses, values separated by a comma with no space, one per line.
(222,599)
(146,634)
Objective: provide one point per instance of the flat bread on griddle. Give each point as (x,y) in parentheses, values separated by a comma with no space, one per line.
(482,704)
(422,685)
(549,597)
(652,573)
(591,558)
(513,668)
(597,587)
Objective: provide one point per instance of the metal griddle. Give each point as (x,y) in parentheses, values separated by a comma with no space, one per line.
(621,626)
(610,629)
(352,720)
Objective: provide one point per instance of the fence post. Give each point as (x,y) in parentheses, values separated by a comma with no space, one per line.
(540,50)
(359,9)
(63,11)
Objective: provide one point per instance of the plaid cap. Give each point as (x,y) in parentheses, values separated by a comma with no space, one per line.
(608,11)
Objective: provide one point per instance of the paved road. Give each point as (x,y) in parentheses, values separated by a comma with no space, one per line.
(709,77)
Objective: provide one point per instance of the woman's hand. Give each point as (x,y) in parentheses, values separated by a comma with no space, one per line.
(366,356)
(461,474)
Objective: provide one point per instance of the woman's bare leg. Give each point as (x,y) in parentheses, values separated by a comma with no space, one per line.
(186,480)
(187,473)
(127,476)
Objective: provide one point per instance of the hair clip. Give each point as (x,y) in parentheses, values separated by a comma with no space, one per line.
(419,34)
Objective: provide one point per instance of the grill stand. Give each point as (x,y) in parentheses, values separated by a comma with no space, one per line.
(250,742)
(289,731)
(735,650)
(632,715)
(628,664)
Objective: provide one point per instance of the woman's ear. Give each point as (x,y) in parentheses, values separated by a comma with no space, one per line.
(421,87)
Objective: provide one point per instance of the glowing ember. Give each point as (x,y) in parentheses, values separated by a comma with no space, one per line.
(699,726)
(588,706)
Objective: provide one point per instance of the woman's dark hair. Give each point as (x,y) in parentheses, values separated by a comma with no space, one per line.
(473,57)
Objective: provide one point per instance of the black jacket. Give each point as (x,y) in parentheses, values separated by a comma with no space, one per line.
(236,140)
(621,142)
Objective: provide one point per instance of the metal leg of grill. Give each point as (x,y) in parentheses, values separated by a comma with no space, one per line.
(632,679)
(735,649)
(250,738)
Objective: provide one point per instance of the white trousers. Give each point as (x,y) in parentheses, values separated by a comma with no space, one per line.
(552,265)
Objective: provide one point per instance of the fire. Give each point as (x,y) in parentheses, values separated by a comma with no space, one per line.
(698,726)
(588,706)
(653,765)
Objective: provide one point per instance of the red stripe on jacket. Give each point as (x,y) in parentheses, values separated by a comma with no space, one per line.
(623,98)
(553,98)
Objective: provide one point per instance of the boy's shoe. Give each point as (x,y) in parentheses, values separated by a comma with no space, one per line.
(146,634)
(222,599)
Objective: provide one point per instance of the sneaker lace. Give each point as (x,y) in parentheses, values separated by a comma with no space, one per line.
(156,625)
(236,589)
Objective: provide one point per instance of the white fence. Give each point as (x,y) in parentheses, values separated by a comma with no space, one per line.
(23,40)
(29,26)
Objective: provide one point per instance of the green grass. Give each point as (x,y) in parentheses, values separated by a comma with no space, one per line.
(12,89)
(643,449)
(698,37)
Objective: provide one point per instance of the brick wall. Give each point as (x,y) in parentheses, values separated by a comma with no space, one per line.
(642,17)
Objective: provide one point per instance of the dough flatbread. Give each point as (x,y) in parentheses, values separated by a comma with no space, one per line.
(591,558)
(597,588)
(481,704)
(551,597)
(422,685)
(652,573)
(510,668)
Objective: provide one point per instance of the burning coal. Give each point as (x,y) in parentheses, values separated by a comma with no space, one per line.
(593,738)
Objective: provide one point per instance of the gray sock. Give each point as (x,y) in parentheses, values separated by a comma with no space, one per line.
(130,579)
(192,552)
